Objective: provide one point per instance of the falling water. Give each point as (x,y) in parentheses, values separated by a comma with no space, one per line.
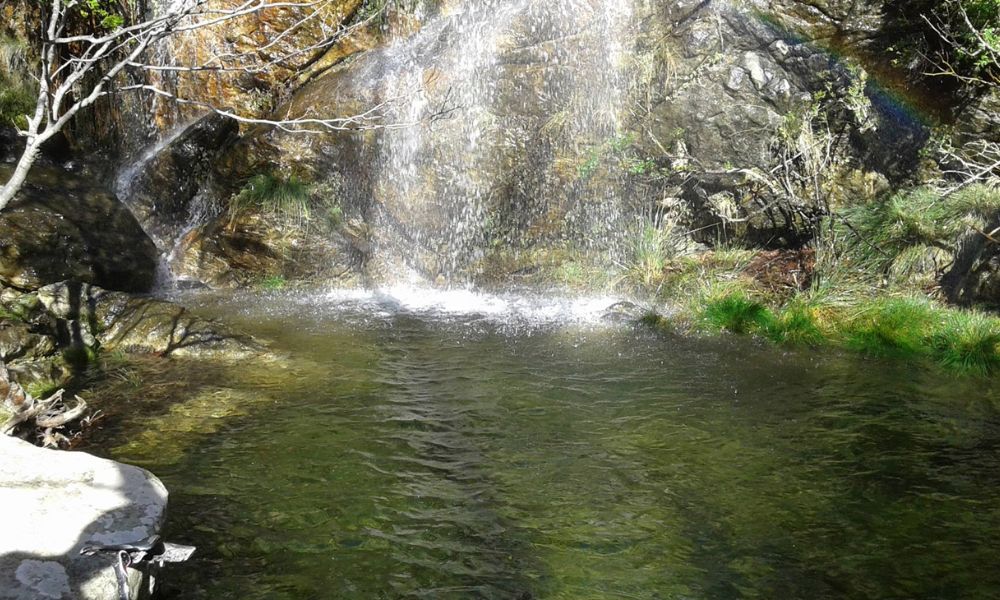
(125,180)
(493,88)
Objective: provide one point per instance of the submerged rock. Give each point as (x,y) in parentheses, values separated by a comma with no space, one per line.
(624,312)
(62,226)
(90,316)
(57,502)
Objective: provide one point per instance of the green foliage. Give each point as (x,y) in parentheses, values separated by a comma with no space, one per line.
(649,257)
(968,343)
(617,151)
(17,95)
(590,165)
(796,325)
(893,327)
(288,197)
(273,282)
(736,313)
(104,12)
(881,237)
(970,30)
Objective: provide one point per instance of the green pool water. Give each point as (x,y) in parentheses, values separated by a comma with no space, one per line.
(415,451)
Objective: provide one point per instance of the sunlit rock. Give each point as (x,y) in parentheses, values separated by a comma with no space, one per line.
(59,501)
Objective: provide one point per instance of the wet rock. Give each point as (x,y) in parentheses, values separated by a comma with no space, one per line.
(624,312)
(62,226)
(241,252)
(165,191)
(62,501)
(716,88)
(90,316)
(42,375)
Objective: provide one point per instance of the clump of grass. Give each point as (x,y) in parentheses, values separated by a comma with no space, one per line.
(288,197)
(897,327)
(798,325)
(649,257)
(736,313)
(273,283)
(968,343)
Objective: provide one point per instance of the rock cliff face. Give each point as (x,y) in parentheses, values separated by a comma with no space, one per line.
(542,124)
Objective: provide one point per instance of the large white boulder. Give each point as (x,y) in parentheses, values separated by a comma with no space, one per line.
(54,502)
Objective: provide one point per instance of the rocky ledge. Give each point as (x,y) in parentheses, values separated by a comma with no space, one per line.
(57,502)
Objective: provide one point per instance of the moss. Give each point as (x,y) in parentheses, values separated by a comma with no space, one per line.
(273,282)
(79,357)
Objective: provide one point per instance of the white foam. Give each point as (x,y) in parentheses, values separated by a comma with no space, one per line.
(506,307)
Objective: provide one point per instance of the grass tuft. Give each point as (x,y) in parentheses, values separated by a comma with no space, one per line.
(968,343)
(649,257)
(289,197)
(736,313)
(797,325)
(895,328)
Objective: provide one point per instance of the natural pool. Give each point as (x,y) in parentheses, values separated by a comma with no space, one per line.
(457,446)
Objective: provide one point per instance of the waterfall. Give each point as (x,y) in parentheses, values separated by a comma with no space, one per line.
(495,95)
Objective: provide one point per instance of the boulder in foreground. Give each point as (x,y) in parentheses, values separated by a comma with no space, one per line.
(60,501)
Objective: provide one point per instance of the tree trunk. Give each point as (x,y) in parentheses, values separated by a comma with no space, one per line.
(16,180)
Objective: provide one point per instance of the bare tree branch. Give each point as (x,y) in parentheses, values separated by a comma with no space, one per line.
(77,69)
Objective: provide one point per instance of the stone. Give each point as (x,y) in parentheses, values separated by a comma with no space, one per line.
(55,503)
(20,340)
(522,151)
(162,191)
(228,253)
(64,226)
(91,316)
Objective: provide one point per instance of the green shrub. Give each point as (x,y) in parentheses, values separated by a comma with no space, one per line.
(968,343)
(736,313)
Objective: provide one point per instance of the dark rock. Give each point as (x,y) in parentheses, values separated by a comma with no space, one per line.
(161,191)
(62,226)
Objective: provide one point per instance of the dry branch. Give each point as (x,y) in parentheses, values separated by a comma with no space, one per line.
(29,415)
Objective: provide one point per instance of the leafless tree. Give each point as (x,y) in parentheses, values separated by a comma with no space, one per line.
(75,70)
(970,54)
